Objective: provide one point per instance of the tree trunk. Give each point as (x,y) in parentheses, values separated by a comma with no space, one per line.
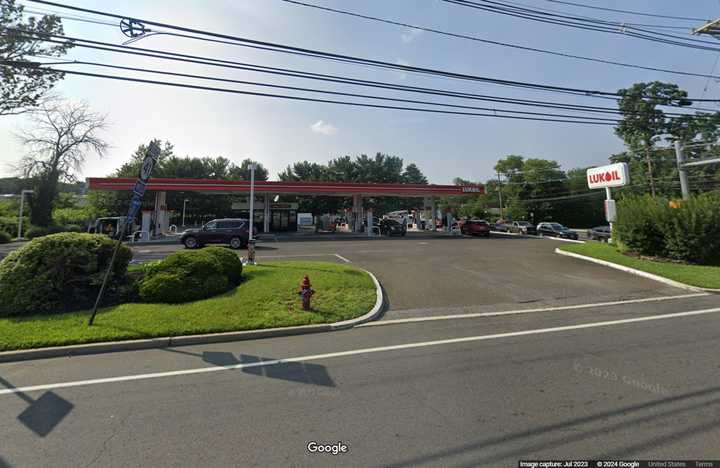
(651,177)
(42,202)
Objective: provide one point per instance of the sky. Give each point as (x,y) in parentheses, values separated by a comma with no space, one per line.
(278,132)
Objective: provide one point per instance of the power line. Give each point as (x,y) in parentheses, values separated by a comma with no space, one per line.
(299,98)
(78,42)
(335,93)
(333,56)
(639,13)
(498,43)
(580,23)
(332,78)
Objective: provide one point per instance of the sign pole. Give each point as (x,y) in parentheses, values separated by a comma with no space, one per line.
(153,153)
(608,197)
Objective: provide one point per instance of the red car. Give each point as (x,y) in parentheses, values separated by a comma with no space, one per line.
(475,227)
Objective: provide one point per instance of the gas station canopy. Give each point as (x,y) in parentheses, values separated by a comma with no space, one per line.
(290,188)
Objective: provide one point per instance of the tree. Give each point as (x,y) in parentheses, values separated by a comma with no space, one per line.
(413,175)
(57,144)
(242,172)
(132,168)
(22,85)
(643,122)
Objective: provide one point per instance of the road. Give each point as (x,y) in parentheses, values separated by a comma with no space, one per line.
(630,390)
(552,374)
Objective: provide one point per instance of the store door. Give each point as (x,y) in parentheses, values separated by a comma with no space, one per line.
(283,220)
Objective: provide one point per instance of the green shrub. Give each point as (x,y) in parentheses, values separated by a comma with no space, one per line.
(231,264)
(9,224)
(692,231)
(73,228)
(36,231)
(59,272)
(640,224)
(4,237)
(184,276)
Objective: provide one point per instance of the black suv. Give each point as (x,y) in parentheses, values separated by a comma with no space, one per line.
(233,232)
(390,227)
(556,230)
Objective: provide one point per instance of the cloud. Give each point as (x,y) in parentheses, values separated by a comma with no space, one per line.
(410,35)
(323,128)
(402,75)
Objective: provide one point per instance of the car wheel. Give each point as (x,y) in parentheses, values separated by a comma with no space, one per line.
(191,243)
(236,243)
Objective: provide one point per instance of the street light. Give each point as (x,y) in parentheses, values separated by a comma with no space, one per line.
(251,241)
(183,216)
(20,220)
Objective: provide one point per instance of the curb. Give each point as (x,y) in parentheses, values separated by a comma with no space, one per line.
(644,274)
(185,340)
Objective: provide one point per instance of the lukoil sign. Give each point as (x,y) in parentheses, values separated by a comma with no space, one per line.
(613,175)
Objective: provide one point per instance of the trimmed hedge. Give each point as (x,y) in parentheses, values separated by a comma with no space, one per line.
(60,272)
(4,237)
(692,233)
(36,231)
(640,222)
(190,275)
(230,262)
(689,233)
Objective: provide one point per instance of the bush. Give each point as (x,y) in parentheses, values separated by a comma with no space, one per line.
(59,272)
(4,237)
(9,224)
(640,224)
(231,264)
(36,231)
(692,232)
(184,276)
(73,228)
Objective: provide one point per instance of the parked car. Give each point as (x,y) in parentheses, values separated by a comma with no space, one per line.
(523,227)
(475,227)
(231,231)
(502,225)
(600,233)
(392,227)
(556,230)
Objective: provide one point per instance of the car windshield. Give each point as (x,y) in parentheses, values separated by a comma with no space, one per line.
(558,227)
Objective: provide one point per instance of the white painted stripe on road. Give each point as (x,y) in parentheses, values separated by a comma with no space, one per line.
(531,311)
(316,357)
(296,256)
(342,258)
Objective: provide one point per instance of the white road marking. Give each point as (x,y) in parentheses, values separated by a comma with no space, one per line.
(342,258)
(293,256)
(530,311)
(144,251)
(317,357)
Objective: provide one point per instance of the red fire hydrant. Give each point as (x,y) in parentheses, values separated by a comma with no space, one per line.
(306,292)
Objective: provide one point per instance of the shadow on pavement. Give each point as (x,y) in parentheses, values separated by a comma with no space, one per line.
(300,372)
(42,415)
(565,434)
(4,464)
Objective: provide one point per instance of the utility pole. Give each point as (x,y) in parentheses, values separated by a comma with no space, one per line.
(500,195)
(22,205)
(651,177)
(680,157)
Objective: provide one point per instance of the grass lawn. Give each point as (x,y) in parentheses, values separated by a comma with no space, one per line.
(694,275)
(266,298)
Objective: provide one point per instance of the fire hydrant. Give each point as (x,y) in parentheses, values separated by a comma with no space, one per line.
(306,292)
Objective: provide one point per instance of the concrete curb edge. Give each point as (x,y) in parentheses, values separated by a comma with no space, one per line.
(185,340)
(634,271)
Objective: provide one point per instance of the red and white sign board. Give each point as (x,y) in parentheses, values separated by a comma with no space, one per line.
(614,175)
